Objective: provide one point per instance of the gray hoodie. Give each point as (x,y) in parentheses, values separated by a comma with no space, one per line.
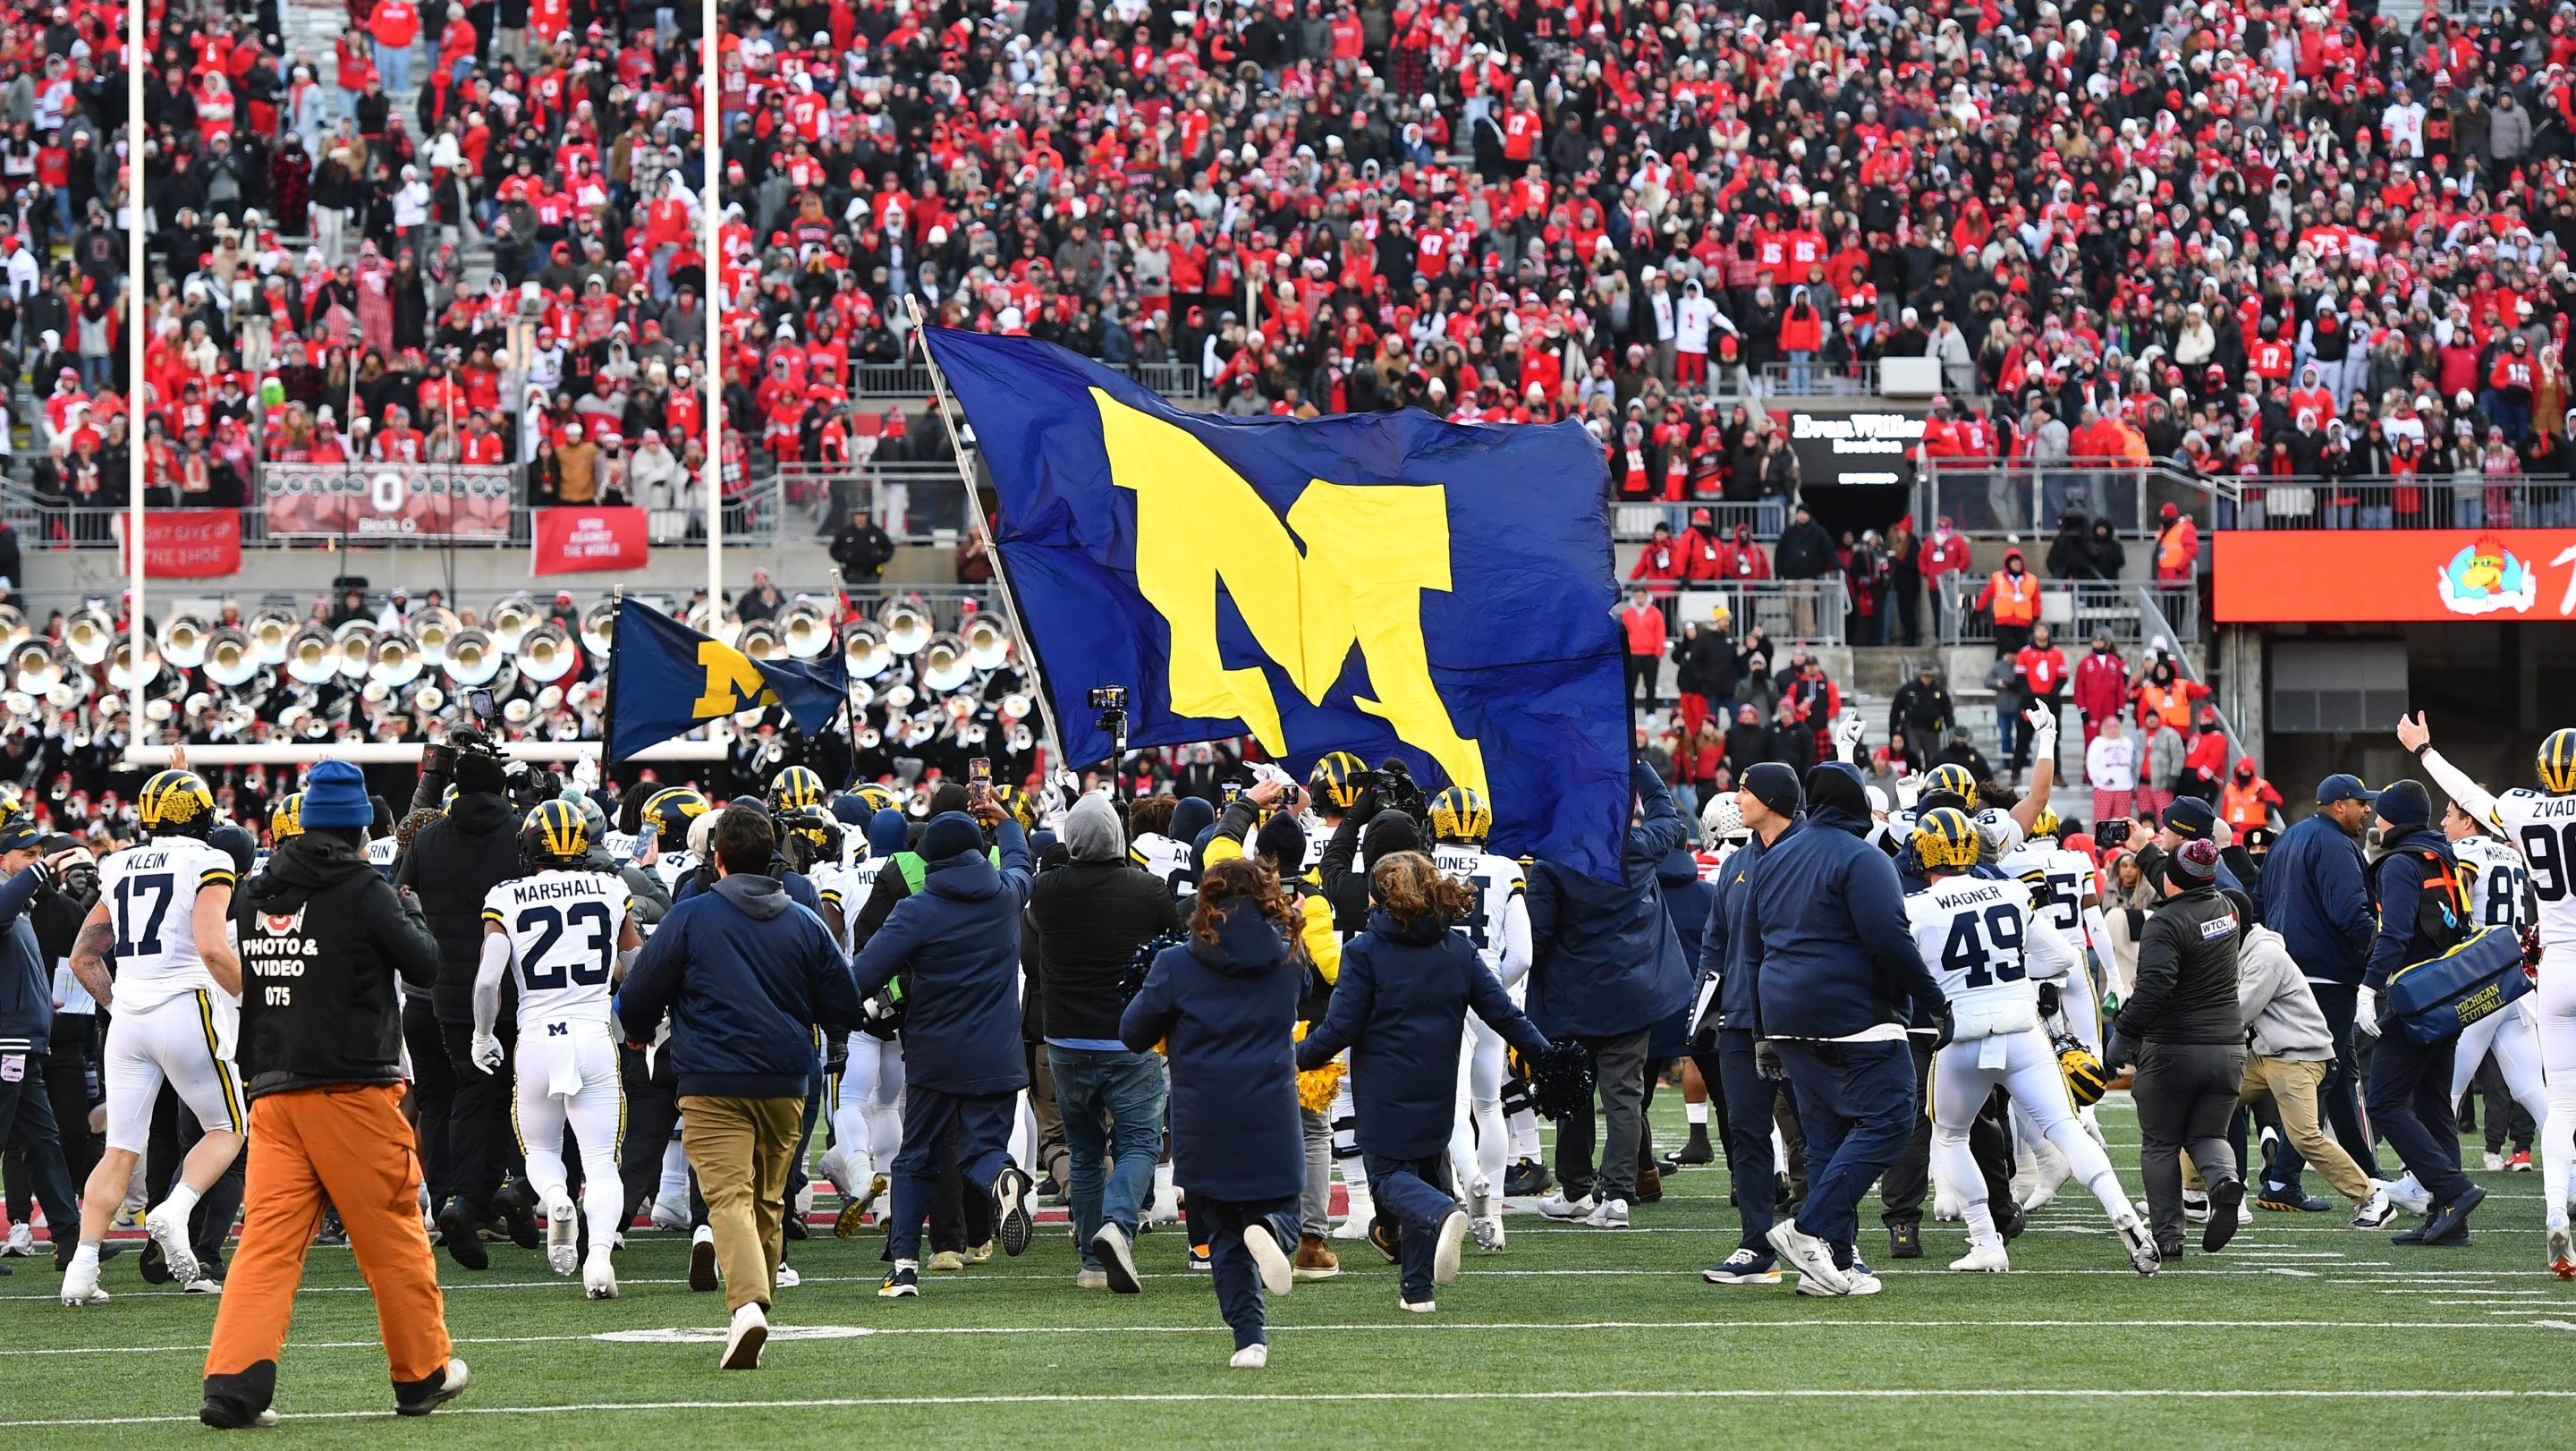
(2273,996)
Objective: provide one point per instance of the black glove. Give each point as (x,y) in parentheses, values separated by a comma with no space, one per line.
(2047,999)
(2120,1053)
(1766,1060)
(1364,806)
(1943,1027)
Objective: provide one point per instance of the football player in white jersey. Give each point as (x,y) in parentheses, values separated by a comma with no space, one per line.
(569,934)
(1500,929)
(2500,889)
(669,812)
(1990,951)
(175,997)
(2541,827)
(2066,894)
(867,1098)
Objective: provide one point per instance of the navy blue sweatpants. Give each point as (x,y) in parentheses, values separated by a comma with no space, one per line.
(1238,1279)
(983,1123)
(1856,1102)
(1403,1191)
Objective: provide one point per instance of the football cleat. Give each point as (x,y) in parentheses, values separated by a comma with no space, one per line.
(599,1277)
(80,1284)
(170,1234)
(2562,1253)
(1362,1211)
(854,1211)
(2141,1245)
(1987,1259)
(672,1214)
(1488,1230)
(563,1234)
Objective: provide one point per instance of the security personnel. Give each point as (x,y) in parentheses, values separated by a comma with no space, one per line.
(2181,1029)
(323,939)
(2423,912)
(2012,593)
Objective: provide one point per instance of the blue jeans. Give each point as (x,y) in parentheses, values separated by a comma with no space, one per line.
(1113,1128)
(1403,1191)
(1856,1102)
(393,67)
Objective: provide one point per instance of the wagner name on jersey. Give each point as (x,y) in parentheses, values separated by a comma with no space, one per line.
(1988,950)
(2499,882)
(2542,829)
(151,896)
(563,929)
(1499,925)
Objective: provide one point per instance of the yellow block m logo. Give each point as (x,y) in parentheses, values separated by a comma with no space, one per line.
(734,684)
(1348,568)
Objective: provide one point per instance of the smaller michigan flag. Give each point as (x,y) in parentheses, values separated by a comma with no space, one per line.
(1385,584)
(665,680)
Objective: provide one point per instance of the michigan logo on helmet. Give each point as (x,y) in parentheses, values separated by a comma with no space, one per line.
(2046,825)
(809,834)
(1954,778)
(672,809)
(176,803)
(879,798)
(2086,1079)
(286,819)
(1023,808)
(554,835)
(796,788)
(1945,840)
(2558,762)
(1460,815)
(1335,780)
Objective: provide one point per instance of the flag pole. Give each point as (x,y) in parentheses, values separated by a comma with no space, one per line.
(983,531)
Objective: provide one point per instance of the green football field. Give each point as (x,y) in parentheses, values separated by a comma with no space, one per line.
(2303,1333)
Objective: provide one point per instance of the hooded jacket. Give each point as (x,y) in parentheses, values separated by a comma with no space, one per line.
(26,988)
(1688,901)
(745,975)
(454,864)
(2313,893)
(1401,1007)
(1603,957)
(2399,878)
(1725,947)
(1091,915)
(960,938)
(2187,974)
(1830,949)
(323,940)
(2280,1012)
(1224,1013)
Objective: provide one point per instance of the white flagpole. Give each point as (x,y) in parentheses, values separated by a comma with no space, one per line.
(992,551)
(136,58)
(710,159)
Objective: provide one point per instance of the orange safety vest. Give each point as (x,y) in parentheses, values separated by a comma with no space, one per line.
(2170,705)
(2016,604)
(2242,807)
(2171,556)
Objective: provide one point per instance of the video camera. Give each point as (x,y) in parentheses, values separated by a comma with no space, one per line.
(1396,791)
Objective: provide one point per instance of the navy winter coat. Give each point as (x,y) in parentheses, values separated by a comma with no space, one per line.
(26,988)
(1604,958)
(1832,952)
(1725,947)
(960,934)
(2314,894)
(1227,1015)
(1400,1006)
(2400,875)
(746,975)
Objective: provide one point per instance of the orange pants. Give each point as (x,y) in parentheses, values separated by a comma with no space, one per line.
(348,1146)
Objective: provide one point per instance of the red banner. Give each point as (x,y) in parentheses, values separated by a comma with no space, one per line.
(585,540)
(186,543)
(2393,574)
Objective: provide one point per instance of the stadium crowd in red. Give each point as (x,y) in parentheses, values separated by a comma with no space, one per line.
(2160,216)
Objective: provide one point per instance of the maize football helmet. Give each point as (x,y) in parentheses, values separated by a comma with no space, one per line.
(1459,815)
(672,809)
(1954,778)
(176,803)
(554,835)
(1945,840)
(2086,1079)
(2558,763)
(286,819)
(796,788)
(1335,780)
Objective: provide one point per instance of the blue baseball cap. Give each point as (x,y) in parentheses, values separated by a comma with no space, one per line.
(2342,786)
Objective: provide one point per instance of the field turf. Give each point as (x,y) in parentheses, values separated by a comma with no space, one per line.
(2303,1333)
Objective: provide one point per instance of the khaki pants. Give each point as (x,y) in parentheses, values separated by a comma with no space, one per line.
(2292,1083)
(349,1147)
(741,1149)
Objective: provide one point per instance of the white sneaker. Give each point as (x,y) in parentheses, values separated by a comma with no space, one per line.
(2376,1211)
(787,1278)
(1983,1259)
(1608,1214)
(2245,1212)
(1356,1225)
(21,1241)
(2495,1162)
(1250,1357)
(1862,1281)
(1488,1232)
(1811,1257)
(80,1284)
(1090,1280)
(2562,1253)
(598,1277)
(170,1231)
(1418,1307)
(672,1214)
(1444,1255)
(1165,1207)
(2408,1195)
(2139,1242)
(563,1233)
(743,1339)
(1557,1206)
(1278,1273)
(2195,1206)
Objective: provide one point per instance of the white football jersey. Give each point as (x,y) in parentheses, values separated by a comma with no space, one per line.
(2542,829)
(563,929)
(1500,924)
(2499,882)
(1319,833)
(1167,858)
(1981,940)
(151,896)
(2066,877)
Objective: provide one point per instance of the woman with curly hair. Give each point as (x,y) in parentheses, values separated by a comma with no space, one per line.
(1400,1006)
(1224,1005)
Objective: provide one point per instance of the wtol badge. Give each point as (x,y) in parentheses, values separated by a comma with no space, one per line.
(1382,584)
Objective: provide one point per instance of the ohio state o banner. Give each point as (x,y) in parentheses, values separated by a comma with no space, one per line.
(380,500)
(580,540)
(186,543)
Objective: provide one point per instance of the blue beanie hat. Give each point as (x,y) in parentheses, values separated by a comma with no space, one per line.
(949,834)
(335,798)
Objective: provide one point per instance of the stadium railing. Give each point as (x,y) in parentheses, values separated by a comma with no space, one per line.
(2075,610)
(916,502)
(757,514)
(1993,498)
(2510,502)
(1817,379)
(1791,611)
(1180,381)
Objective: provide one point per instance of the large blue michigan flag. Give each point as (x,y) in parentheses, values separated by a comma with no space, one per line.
(1382,584)
(665,680)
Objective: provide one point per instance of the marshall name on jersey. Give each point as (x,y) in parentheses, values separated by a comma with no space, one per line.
(151,896)
(563,929)
(2499,883)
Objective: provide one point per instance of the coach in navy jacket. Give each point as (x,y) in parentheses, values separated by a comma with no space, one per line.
(962,1059)
(1834,956)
